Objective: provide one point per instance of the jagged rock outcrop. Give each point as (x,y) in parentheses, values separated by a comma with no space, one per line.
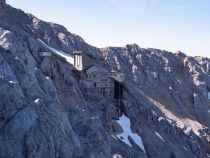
(170,93)
(45,112)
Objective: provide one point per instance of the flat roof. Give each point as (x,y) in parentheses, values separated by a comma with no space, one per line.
(77,52)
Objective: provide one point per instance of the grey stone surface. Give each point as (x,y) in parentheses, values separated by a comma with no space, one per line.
(45,112)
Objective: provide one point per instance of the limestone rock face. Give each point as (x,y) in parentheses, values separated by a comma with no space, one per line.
(166,93)
(45,112)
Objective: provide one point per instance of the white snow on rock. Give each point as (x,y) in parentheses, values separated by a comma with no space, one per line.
(117,63)
(117,156)
(160,119)
(170,88)
(125,124)
(12,82)
(157,134)
(134,68)
(68,57)
(180,82)
(47,77)
(37,100)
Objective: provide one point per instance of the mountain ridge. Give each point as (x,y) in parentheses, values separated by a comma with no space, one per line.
(45,111)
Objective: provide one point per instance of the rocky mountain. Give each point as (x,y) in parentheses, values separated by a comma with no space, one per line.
(44,111)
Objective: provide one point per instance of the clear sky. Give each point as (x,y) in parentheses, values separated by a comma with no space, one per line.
(165,24)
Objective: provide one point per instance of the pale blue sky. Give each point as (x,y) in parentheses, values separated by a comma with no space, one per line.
(165,24)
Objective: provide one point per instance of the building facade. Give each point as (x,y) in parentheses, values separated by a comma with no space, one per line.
(109,84)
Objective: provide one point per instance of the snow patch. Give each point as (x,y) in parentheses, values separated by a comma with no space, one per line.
(16,58)
(157,134)
(117,156)
(134,68)
(138,56)
(170,88)
(12,82)
(117,63)
(125,124)
(179,82)
(47,77)
(160,119)
(68,57)
(37,100)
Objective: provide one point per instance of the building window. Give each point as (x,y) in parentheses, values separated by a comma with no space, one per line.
(208,95)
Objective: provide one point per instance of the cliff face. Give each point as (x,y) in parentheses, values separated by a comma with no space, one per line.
(169,94)
(44,112)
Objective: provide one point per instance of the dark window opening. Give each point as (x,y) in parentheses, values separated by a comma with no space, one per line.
(118,90)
